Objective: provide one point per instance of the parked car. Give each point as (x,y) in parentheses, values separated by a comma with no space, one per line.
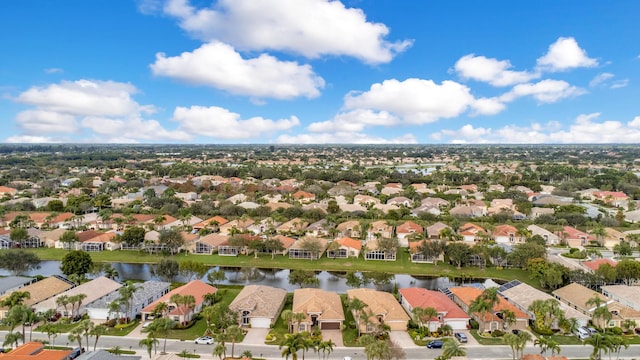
(592,331)
(582,333)
(435,344)
(460,337)
(637,330)
(515,331)
(75,353)
(207,340)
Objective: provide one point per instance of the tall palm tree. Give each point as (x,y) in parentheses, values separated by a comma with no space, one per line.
(600,343)
(292,344)
(219,351)
(453,348)
(126,297)
(298,318)
(96,332)
(287,315)
(148,343)
(601,311)
(378,349)
(481,307)
(12,338)
(326,347)
(234,334)
(161,326)
(546,344)
(356,306)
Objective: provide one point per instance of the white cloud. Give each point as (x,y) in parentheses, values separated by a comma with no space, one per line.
(565,54)
(492,71)
(600,79)
(545,91)
(84,98)
(344,138)
(132,128)
(355,121)
(416,101)
(488,106)
(311,28)
(585,130)
(219,65)
(43,122)
(220,123)
(619,84)
(27,139)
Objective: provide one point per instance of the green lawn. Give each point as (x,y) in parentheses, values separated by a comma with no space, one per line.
(486,340)
(402,265)
(279,329)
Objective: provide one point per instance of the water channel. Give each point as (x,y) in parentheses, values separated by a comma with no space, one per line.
(329,281)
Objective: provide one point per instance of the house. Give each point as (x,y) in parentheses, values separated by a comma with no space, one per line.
(418,257)
(435,201)
(575,238)
(39,291)
(7,191)
(94,290)
(304,196)
(35,351)
(10,284)
(209,244)
(299,249)
(365,200)
(468,211)
(391,189)
(381,308)
(464,296)
(400,201)
(344,248)
(536,212)
(593,265)
(293,226)
(612,198)
(372,252)
(104,241)
(523,295)
(577,296)
(548,236)
(258,306)
(212,223)
(351,229)
(624,294)
(499,205)
(612,238)
(434,231)
(428,209)
(507,234)
(318,228)
(406,230)
(379,228)
(323,309)
(241,247)
(385,208)
(146,293)
(235,226)
(179,312)
(471,232)
(448,312)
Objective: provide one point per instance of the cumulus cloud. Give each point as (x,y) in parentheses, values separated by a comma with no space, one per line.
(492,71)
(600,79)
(416,101)
(311,28)
(565,54)
(545,91)
(487,106)
(355,121)
(85,98)
(220,123)
(586,129)
(43,121)
(53,70)
(218,65)
(28,139)
(344,138)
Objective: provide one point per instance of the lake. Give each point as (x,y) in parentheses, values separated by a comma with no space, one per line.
(329,281)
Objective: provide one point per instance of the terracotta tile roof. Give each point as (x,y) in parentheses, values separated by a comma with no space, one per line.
(318,301)
(419,297)
(349,242)
(409,227)
(94,290)
(88,235)
(214,240)
(595,264)
(467,294)
(204,223)
(103,238)
(196,288)
(35,351)
(470,229)
(380,302)
(573,233)
(285,240)
(504,230)
(578,295)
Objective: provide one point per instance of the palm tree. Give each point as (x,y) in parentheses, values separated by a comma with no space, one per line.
(617,343)
(298,318)
(292,344)
(97,331)
(219,351)
(378,349)
(546,344)
(63,300)
(148,343)
(508,318)
(12,338)
(326,347)
(480,307)
(162,327)
(453,348)
(234,334)
(126,297)
(356,306)
(287,315)
(599,342)
(601,311)
(52,332)
(425,315)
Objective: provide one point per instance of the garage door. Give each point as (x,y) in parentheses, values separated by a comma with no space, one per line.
(330,326)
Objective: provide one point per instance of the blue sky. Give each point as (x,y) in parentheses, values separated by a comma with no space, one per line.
(319,71)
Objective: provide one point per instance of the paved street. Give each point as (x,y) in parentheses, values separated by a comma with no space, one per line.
(272,352)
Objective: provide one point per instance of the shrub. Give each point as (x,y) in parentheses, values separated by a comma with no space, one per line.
(497,333)
(111,323)
(474,324)
(616,330)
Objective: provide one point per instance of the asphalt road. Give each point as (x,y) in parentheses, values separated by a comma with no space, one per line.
(272,352)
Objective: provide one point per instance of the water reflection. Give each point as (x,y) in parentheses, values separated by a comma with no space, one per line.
(334,281)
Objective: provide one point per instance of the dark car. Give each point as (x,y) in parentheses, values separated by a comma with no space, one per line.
(637,330)
(515,331)
(460,337)
(435,344)
(75,353)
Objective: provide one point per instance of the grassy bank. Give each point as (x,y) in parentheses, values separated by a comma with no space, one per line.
(402,265)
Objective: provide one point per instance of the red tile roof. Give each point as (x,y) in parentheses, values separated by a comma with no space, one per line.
(196,288)
(349,242)
(419,297)
(409,227)
(467,294)
(595,264)
(35,351)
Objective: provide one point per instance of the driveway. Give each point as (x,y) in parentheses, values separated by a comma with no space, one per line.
(402,338)
(255,336)
(334,335)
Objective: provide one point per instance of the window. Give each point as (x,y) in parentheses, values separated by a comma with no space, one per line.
(245,317)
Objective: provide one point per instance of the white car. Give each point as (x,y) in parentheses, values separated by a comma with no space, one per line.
(207,340)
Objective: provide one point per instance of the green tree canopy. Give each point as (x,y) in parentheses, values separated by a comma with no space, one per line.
(18,261)
(76,262)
